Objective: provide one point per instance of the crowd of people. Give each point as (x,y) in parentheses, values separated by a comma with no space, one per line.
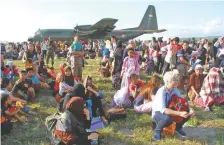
(196,68)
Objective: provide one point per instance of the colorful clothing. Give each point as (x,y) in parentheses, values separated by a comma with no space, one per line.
(213,85)
(130,66)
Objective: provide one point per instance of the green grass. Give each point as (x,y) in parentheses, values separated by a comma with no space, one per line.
(134,130)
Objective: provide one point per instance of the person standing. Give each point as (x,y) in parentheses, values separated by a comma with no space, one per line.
(113,47)
(44,49)
(77,57)
(51,47)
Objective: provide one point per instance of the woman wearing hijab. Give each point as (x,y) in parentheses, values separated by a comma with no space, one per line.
(78,90)
(70,129)
(68,81)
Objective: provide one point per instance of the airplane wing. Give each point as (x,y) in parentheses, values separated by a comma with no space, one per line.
(146,31)
(106,24)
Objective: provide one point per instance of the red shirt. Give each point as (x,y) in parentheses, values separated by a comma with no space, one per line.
(139,84)
(175,48)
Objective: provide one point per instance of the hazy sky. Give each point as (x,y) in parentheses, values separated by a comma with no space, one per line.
(21,18)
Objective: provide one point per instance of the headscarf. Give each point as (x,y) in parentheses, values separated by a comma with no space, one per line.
(78,90)
(69,80)
(76,107)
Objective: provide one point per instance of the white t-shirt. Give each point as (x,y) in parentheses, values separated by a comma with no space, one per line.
(44,46)
(24,47)
(168,55)
(112,49)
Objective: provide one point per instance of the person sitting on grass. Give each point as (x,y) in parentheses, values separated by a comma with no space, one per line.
(59,77)
(29,64)
(135,86)
(143,102)
(161,114)
(52,73)
(93,99)
(212,91)
(105,68)
(70,128)
(36,82)
(24,87)
(7,86)
(67,82)
(195,83)
(6,124)
(42,70)
(9,111)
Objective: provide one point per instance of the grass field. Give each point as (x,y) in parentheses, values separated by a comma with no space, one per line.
(205,128)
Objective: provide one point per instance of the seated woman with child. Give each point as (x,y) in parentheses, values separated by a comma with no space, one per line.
(68,80)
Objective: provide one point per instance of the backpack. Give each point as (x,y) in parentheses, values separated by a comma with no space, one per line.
(116,113)
(178,104)
(51,121)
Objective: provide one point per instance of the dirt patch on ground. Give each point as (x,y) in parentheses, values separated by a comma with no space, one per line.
(201,133)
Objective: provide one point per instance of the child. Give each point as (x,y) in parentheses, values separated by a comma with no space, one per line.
(52,73)
(105,68)
(143,102)
(7,87)
(24,87)
(59,78)
(42,70)
(37,83)
(144,64)
(29,64)
(6,124)
(9,111)
(7,72)
(135,86)
(130,66)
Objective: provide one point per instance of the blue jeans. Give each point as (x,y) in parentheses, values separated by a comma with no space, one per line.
(164,120)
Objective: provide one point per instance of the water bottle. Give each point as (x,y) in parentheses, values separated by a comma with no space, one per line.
(89,107)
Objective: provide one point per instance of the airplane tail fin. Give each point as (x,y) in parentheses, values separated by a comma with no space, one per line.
(149,21)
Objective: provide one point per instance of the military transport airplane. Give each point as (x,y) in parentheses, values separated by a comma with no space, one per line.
(104,29)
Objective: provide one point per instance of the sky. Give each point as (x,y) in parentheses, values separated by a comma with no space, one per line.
(22,18)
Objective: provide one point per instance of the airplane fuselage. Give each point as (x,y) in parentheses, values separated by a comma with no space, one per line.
(68,34)
(104,29)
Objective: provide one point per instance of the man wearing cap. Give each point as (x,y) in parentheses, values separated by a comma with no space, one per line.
(195,83)
(51,47)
